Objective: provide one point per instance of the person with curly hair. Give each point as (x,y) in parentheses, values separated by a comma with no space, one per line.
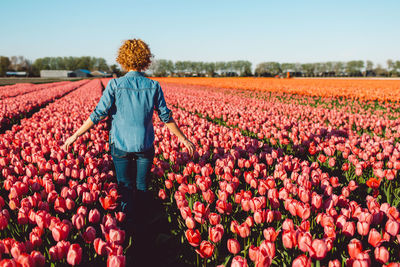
(130,102)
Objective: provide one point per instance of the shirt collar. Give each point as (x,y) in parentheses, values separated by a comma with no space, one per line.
(134,73)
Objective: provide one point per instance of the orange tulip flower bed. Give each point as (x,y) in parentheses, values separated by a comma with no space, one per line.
(366,89)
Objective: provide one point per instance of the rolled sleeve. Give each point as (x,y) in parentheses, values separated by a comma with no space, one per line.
(164,113)
(104,105)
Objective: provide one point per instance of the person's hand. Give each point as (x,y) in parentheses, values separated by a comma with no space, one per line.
(190,146)
(69,142)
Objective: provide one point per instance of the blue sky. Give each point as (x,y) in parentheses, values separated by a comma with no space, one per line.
(219,30)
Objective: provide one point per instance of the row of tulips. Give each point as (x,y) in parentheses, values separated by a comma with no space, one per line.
(56,206)
(364,89)
(24,88)
(14,108)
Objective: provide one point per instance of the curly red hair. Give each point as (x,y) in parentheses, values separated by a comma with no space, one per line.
(134,54)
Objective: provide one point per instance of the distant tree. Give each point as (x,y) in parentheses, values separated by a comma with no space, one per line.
(221,67)
(268,69)
(180,68)
(242,67)
(390,67)
(397,67)
(308,69)
(115,69)
(354,67)
(4,65)
(380,71)
(162,67)
(101,64)
(369,65)
(19,63)
(209,68)
(339,68)
(287,67)
(369,68)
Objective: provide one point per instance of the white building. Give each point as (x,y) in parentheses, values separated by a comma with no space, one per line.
(55,73)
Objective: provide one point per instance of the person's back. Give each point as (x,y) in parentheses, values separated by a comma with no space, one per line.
(135,98)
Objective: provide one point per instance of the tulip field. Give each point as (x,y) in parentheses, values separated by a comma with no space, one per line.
(278,178)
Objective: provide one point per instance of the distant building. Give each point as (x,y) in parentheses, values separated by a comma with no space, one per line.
(98,73)
(82,73)
(16,73)
(56,73)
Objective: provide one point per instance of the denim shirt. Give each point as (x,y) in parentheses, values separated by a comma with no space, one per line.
(130,102)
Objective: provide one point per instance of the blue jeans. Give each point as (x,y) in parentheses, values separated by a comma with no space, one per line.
(133,172)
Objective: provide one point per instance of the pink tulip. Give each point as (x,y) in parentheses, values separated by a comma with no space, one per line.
(289,239)
(74,255)
(115,261)
(233,246)
(381,254)
(302,261)
(318,249)
(239,261)
(215,233)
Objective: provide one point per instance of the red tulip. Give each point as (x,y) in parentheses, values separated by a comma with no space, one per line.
(302,261)
(362,259)
(8,263)
(304,241)
(318,249)
(35,239)
(74,255)
(334,263)
(206,249)
(17,249)
(78,220)
(115,261)
(392,227)
(193,236)
(363,227)
(374,237)
(90,234)
(233,246)
(60,231)
(289,239)
(117,236)
(108,202)
(161,194)
(381,254)
(270,234)
(214,218)
(243,230)
(94,216)
(25,259)
(239,261)
(3,222)
(100,246)
(348,229)
(354,248)
(38,258)
(190,223)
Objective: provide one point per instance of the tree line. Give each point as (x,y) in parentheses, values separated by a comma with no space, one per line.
(354,68)
(20,63)
(163,67)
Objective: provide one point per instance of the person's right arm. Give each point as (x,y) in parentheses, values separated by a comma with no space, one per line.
(182,138)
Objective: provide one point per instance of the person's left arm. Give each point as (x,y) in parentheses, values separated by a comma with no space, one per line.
(99,113)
